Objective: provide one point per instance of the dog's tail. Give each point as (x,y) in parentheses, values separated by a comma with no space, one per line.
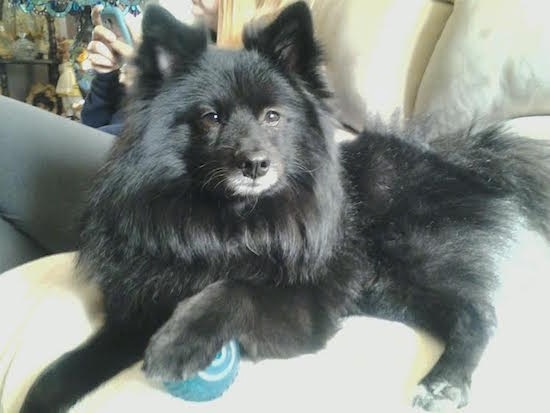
(76,373)
(514,165)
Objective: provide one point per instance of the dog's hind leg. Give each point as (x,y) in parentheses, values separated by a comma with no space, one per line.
(448,382)
(464,325)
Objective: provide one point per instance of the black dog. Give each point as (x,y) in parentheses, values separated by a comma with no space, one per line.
(227,211)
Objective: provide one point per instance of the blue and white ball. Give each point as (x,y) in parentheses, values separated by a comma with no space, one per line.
(211,382)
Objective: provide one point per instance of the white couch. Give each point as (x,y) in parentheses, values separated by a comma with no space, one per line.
(457,63)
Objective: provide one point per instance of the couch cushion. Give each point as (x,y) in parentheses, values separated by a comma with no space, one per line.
(492,62)
(377,52)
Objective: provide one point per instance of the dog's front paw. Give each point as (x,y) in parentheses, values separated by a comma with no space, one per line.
(171,357)
(440,395)
(189,341)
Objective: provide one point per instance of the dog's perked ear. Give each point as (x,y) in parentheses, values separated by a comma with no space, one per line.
(290,43)
(168,46)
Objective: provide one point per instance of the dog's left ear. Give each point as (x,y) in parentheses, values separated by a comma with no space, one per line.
(289,42)
(168,46)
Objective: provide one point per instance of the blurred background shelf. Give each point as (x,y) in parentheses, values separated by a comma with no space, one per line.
(52,66)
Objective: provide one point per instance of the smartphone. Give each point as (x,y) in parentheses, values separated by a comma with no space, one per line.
(113,19)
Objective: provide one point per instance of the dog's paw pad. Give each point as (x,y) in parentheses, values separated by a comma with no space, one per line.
(440,396)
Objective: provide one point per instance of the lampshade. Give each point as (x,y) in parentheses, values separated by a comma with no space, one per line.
(61,8)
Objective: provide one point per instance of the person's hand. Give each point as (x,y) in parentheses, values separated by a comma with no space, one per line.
(208,11)
(107,52)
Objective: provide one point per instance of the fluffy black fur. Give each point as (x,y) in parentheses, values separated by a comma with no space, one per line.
(190,254)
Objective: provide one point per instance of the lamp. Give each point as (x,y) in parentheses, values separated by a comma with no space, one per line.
(53,9)
(61,8)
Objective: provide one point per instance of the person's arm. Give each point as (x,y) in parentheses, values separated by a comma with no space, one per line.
(103,101)
(107,52)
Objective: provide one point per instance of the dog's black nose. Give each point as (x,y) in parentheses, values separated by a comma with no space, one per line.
(254,165)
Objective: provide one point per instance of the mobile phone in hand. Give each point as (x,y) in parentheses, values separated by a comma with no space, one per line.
(113,19)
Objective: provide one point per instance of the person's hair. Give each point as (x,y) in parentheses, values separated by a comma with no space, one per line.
(233,15)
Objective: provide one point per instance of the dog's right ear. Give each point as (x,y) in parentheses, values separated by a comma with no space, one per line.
(168,46)
(290,43)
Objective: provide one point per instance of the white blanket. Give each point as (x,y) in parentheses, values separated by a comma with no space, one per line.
(370,365)
(45,311)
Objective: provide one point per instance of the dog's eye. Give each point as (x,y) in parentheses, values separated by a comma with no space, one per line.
(272,117)
(211,117)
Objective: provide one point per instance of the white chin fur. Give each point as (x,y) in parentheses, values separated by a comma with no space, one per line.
(244,186)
